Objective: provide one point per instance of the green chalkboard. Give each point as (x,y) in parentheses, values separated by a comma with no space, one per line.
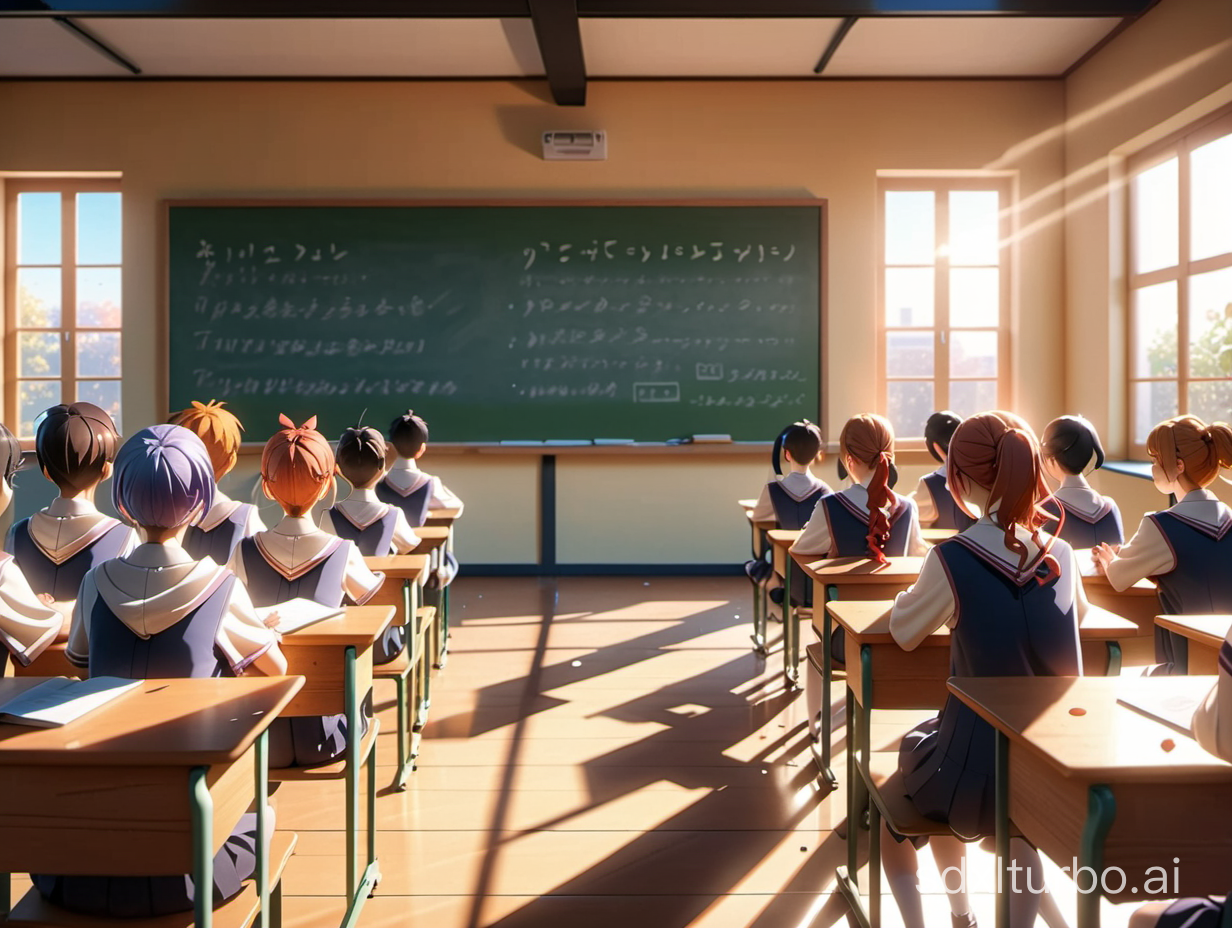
(500,321)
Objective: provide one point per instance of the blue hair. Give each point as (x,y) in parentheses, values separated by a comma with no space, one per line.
(163,476)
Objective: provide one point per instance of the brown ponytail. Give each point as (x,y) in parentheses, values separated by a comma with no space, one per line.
(870,440)
(1203,448)
(998,451)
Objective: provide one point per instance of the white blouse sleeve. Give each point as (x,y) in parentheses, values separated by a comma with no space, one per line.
(254,523)
(235,564)
(27,626)
(925,606)
(242,636)
(814,540)
(1145,555)
(78,650)
(916,545)
(405,540)
(360,583)
(442,498)
(924,504)
(1212,723)
(764,510)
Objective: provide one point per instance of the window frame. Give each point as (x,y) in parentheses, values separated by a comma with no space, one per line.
(1178,145)
(941,186)
(68,330)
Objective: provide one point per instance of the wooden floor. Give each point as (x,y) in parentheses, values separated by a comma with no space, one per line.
(602,753)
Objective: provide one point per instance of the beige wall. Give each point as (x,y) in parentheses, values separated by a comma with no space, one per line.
(1165,71)
(479,139)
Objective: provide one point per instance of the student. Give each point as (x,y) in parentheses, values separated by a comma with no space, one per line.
(1013,599)
(1212,728)
(789,499)
(374,527)
(934,502)
(228,521)
(297,559)
(75,445)
(413,491)
(28,624)
(1186,549)
(1070,449)
(158,612)
(867,519)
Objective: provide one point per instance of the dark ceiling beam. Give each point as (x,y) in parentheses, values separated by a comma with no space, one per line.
(97,44)
(835,41)
(559,35)
(648,9)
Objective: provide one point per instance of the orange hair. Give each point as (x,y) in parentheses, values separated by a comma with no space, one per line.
(1204,448)
(215,426)
(999,452)
(870,440)
(295,465)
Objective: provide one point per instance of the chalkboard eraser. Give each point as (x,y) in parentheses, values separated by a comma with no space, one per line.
(519,443)
(614,441)
(567,442)
(711,438)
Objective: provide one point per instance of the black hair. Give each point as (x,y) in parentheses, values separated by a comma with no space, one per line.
(74,443)
(10,455)
(361,454)
(938,430)
(803,439)
(408,433)
(1072,441)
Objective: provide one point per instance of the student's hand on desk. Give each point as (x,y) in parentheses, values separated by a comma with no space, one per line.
(272,619)
(1103,554)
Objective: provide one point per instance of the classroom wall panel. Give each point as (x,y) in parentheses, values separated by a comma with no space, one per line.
(1168,69)
(480,139)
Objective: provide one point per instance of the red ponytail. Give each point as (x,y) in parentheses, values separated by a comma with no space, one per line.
(870,440)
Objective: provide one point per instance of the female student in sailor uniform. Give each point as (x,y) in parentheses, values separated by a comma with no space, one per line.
(867,519)
(297,559)
(28,624)
(1186,549)
(1013,599)
(789,499)
(75,445)
(1069,449)
(413,491)
(933,499)
(1212,728)
(158,612)
(228,521)
(375,528)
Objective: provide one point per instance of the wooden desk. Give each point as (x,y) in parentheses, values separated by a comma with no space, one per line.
(431,538)
(1109,786)
(445,516)
(935,535)
(1205,633)
(434,540)
(173,758)
(412,671)
(335,658)
(53,662)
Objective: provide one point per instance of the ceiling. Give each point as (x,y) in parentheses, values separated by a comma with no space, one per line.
(565,41)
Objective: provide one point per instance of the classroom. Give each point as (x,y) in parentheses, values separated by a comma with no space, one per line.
(601,693)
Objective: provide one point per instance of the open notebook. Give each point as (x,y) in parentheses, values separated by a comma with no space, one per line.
(1171,700)
(298,613)
(58,701)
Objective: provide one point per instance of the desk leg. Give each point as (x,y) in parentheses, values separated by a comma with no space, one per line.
(791,633)
(854,816)
(827,675)
(1002,826)
(1101,812)
(860,744)
(359,886)
(1114,659)
(443,654)
(202,806)
(261,773)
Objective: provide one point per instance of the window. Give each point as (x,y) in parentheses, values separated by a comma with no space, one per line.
(62,297)
(1180,280)
(944,298)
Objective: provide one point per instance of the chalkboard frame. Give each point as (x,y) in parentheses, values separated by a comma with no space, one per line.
(163,320)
